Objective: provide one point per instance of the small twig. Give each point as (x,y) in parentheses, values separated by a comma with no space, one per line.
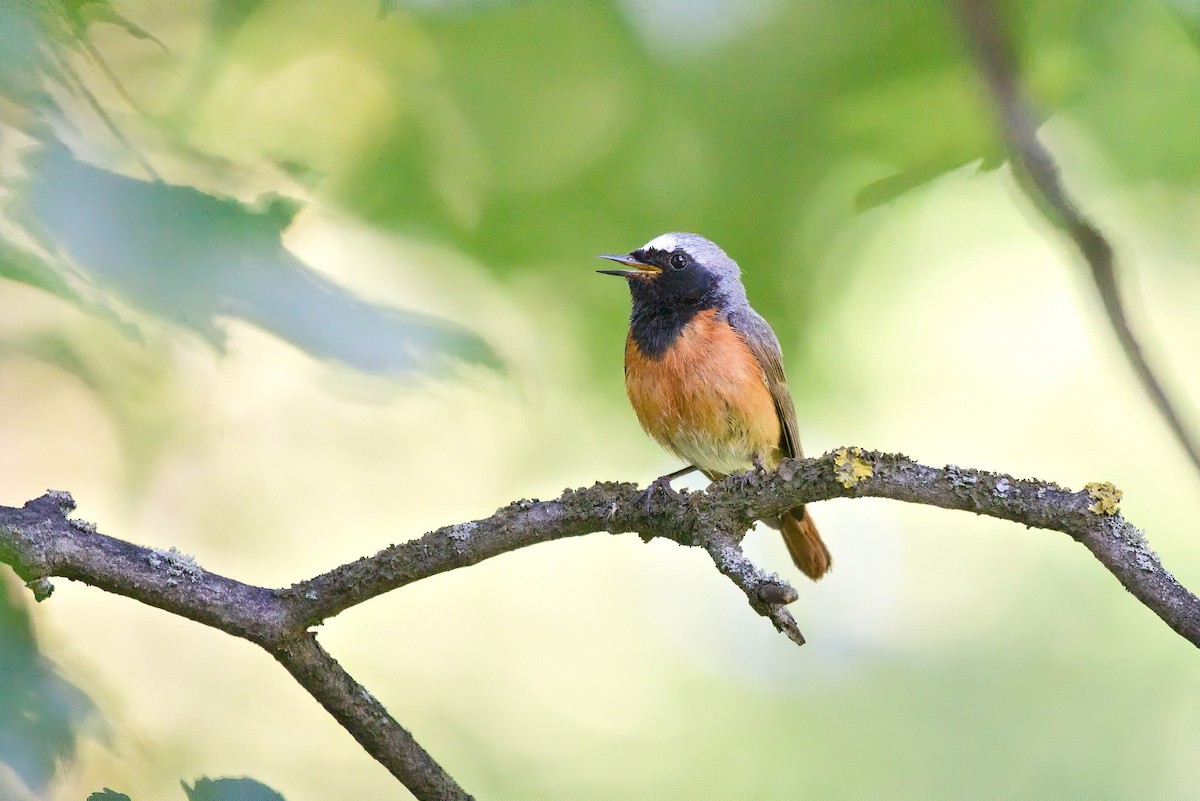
(767,593)
(1040,178)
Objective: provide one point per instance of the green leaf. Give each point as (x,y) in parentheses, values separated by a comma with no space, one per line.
(40,711)
(24,267)
(108,795)
(90,12)
(195,259)
(243,789)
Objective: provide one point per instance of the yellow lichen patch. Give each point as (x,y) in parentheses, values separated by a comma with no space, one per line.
(1107,498)
(849,466)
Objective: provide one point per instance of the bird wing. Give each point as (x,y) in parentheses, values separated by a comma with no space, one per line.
(757,334)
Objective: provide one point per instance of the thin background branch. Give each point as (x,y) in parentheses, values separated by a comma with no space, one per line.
(1040,178)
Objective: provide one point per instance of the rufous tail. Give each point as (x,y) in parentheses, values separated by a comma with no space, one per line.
(804,543)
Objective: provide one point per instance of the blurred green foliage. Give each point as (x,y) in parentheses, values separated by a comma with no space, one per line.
(227,789)
(194,259)
(154,161)
(530,135)
(40,711)
(171,250)
(108,795)
(206,789)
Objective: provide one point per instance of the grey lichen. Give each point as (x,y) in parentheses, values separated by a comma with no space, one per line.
(41,588)
(1002,487)
(787,470)
(63,498)
(1146,560)
(461,532)
(86,526)
(729,559)
(960,479)
(177,565)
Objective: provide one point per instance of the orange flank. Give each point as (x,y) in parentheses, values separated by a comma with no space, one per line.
(706,399)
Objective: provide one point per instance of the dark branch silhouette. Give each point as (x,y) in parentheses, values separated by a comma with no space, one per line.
(41,542)
(1039,177)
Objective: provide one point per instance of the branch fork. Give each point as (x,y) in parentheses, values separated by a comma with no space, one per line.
(40,541)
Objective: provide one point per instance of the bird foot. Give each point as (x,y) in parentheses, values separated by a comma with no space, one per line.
(753,473)
(662,484)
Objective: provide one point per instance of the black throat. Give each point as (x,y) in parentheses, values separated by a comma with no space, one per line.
(657,320)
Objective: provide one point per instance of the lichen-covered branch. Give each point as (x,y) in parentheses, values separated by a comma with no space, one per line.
(40,542)
(1040,178)
(1090,516)
(768,594)
(361,714)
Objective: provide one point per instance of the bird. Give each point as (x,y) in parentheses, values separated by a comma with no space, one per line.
(704,374)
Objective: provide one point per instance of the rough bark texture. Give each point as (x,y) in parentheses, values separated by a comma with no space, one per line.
(40,542)
(363,716)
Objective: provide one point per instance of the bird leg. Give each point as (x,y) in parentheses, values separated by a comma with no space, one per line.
(680,473)
(758,469)
(663,484)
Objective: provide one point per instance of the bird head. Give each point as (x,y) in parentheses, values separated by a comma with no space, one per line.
(679,268)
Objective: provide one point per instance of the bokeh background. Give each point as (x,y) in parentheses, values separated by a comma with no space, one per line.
(282,283)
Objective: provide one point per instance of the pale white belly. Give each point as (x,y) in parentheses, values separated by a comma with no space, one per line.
(730,452)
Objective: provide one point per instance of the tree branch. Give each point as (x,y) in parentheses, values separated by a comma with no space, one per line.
(718,518)
(40,542)
(1040,178)
(363,716)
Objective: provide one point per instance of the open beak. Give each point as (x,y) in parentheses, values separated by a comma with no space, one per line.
(640,268)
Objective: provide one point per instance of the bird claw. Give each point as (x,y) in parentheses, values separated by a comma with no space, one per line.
(661,484)
(754,472)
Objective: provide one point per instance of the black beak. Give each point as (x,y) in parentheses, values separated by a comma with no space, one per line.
(640,268)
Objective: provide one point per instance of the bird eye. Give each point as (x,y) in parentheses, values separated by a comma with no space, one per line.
(679,261)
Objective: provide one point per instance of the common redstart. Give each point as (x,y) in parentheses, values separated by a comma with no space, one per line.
(704,373)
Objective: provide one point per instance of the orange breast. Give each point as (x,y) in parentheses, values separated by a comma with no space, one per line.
(706,399)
